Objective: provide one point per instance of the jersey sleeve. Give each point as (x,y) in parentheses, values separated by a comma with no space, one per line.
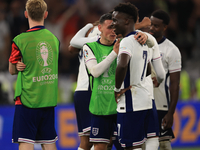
(88,54)
(96,69)
(15,54)
(155,52)
(79,38)
(125,47)
(174,62)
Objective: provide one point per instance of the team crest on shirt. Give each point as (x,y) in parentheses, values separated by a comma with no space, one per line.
(122,48)
(85,53)
(44,53)
(177,61)
(161,55)
(95,131)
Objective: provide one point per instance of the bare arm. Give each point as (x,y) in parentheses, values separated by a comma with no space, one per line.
(174,92)
(120,74)
(143,24)
(12,69)
(121,69)
(73,50)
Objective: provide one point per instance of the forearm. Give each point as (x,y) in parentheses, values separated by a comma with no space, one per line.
(97,69)
(159,69)
(79,38)
(150,40)
(73,50)
(120,75)
(12,69)
(174,93)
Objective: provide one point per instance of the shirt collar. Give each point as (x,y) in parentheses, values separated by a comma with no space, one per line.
(162,40)
(133,32)
(35,28)
(98,41)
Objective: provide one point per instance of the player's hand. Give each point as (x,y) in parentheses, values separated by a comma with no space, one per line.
(141,37)
(116,46)
(20,66)
(145,22)
(118,94)
(167,121)
(155,82)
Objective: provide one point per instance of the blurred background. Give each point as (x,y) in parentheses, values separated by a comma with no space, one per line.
(65,18)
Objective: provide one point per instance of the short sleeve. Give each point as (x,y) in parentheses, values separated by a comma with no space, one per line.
(125,47)
(174,62)
(155,52)
(88,54)
(15,54)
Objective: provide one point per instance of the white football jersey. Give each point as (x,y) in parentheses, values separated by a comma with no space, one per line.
(171,59)
(153,55)
(83,78)
(138,98)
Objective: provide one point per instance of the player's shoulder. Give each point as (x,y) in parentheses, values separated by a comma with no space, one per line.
(94,32)
(129,39)
(19,36)
(170,44)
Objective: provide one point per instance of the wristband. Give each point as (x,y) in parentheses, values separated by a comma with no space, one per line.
(117,90)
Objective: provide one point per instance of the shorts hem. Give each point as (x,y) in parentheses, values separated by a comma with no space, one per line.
(23,140)
(165,138)
(99,140)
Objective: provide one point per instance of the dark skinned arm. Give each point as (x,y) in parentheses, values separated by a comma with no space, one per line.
(174,92)
(73,50)
(148,69)
(120,74)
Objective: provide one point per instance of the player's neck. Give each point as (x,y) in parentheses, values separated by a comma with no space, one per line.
(33,23)
(105,42)
(158,39)
(129,30)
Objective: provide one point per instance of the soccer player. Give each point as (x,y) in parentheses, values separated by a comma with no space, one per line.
(83,87)
(37,81)
(135,107)
(166,94)
(83,90)
(100,59)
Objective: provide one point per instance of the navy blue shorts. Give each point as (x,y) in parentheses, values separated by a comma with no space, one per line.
(132,128)
(102,128)
(153,125)
(135,127)
(34,125)
(83,115)
(164,134)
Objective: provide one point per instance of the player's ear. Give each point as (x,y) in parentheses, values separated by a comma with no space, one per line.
(26,14)
(45,14)
(127,21)
(99,27)
(165,27)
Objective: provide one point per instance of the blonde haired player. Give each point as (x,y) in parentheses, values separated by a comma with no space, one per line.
(36,98)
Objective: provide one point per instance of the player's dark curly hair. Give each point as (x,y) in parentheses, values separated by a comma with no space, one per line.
(160,14)
(107,16)
(129,9)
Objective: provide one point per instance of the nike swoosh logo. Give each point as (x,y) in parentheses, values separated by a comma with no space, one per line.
(162,133)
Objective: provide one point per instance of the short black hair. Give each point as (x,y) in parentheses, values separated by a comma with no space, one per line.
(160,14)
(129,9)
(107,16)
